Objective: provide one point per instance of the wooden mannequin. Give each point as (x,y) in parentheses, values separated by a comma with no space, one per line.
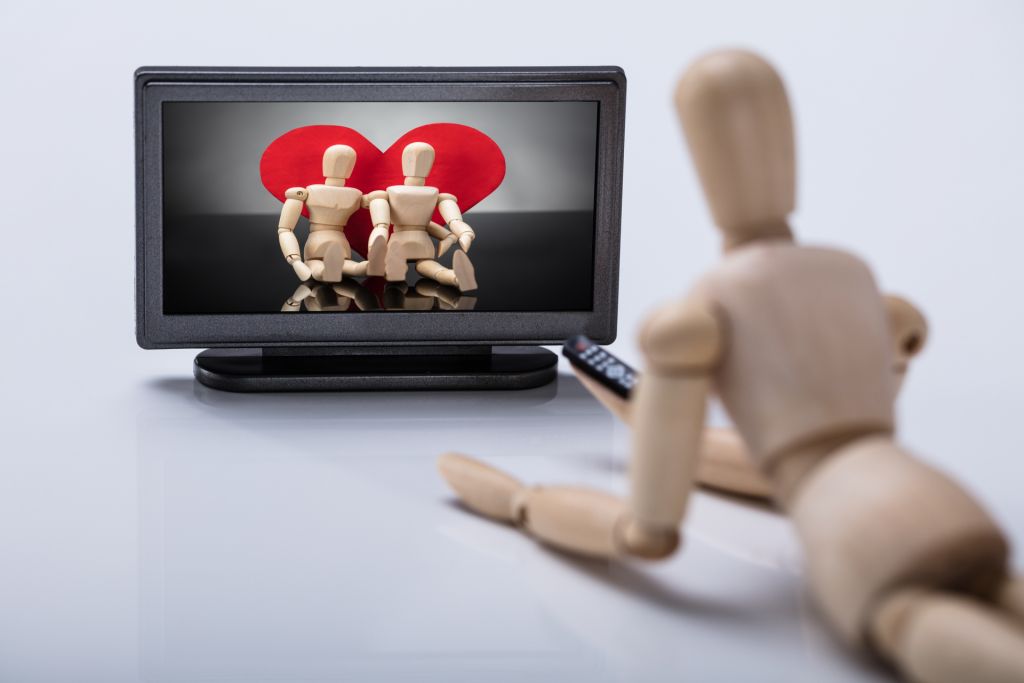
(801,348)
(410,207)
(327,254)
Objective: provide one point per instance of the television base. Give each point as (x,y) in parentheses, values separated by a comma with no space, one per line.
(376,369)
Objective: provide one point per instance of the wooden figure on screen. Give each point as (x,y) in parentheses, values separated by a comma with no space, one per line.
(806,355)
(410,207)
(327,255)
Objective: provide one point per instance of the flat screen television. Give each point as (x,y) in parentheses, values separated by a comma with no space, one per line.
(308,226)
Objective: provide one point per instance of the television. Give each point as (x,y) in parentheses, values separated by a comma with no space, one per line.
(376,228)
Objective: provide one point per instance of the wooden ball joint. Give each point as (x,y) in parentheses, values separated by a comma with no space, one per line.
(807,356)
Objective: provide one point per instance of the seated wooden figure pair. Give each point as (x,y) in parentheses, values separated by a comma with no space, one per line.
(807,356)
(327,256)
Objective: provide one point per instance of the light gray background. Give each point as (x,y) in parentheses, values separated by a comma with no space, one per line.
(549,147)
(147,533)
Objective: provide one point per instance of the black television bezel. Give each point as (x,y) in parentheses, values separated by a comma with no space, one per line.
(156,85)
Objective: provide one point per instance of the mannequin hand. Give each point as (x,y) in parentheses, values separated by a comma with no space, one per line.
(445,245)
(302,270)
(466,240)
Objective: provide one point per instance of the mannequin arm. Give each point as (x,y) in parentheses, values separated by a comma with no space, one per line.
(449,209)
(681,345)
(618,406)
(909,332)
(380,212)
(376,244)
(445,237)
(724,465)
(295,198)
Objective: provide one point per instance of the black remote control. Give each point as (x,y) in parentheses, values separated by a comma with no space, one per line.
(598,364)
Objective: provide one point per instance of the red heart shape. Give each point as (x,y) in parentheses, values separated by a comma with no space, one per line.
(467,164)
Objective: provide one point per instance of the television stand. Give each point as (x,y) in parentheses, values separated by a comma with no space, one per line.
(386,368)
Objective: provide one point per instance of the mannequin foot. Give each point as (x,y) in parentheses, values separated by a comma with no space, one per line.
(465,274)
(376,256)
(334,261)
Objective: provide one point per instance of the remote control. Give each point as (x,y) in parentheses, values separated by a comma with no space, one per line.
(598,364)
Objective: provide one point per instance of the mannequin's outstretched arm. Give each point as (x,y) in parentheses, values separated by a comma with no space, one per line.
(681,344)
(724,465)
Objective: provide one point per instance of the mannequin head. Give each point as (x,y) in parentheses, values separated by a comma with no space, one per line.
(736,117)
(339,161)
(417,160)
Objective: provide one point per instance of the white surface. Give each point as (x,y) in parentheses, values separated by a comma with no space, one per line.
(148,532)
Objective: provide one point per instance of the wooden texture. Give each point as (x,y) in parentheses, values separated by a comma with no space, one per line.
(339,162)
(435,271)
(794,370)
(327,253)
(465,273)
(617,405)
(908,333)
(873,518)
(289,244)
(738,125)
(577,520)
(681,343)
(411,208)
(449,208)
(417,160)
(807,356)
(445,236)
(935,637)
(332,206)
(1010,596)
(724,463)
(481,488)
(377,251)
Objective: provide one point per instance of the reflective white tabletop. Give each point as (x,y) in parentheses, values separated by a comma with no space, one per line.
(226,537)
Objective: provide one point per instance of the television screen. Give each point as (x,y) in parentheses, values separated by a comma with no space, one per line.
(521,173)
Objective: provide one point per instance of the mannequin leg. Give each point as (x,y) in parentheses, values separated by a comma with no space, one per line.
(354,269)
(1011,598)
(937,637)
(333,262)
(465,274)
(435,271)
(377,252)
(395,266)
(461,274)
(575,520)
